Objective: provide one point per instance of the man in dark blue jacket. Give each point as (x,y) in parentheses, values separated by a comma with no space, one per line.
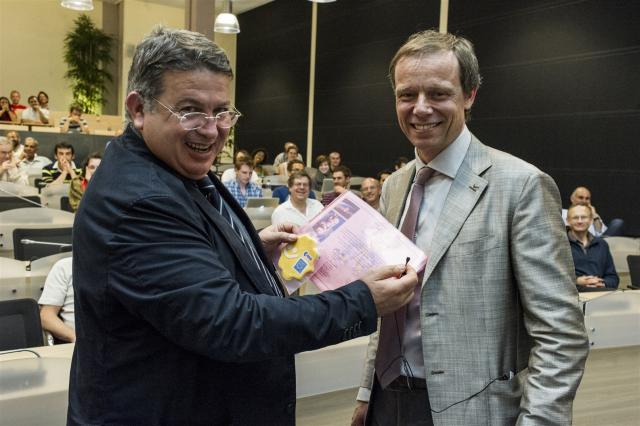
(180,316)
(591,256)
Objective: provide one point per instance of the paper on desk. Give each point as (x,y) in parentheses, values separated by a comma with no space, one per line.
(352,238)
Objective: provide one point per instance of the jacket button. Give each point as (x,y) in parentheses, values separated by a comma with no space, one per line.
(291,408)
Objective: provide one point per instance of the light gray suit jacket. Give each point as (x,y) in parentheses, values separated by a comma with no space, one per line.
(498,296)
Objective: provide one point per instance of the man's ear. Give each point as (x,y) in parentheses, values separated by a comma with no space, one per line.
(135,106)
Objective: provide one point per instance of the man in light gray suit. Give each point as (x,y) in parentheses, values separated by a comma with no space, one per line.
(495,335)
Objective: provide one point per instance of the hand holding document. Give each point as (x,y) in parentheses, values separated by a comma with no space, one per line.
(352,239)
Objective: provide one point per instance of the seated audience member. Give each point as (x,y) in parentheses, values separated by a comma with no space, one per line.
(299,208)
(17,147)
(292,154)
(9,170)
(282,192)
(43,100)
(591,255)
(15,101)
(64,169)
(335,159)
(56,302)
(282,157)
(400,163)
(324,172)
(6,114)
(259,157)
(582,196)
(383,175)
(371,191)
(80,182)
(229,175)
(74,123)
(30,160)
(242,188)
(34,114)
(341,179)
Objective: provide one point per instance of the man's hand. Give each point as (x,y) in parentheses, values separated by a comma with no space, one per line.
(7,165)
(274,235)
(590,281)
(359,413)
(339,189)
(389,289)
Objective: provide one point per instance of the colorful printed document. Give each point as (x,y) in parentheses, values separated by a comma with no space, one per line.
(351,239)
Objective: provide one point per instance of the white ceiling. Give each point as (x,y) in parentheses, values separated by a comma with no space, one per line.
(239,6)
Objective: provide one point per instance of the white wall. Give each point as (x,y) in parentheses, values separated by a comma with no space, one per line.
(31,48)
(139,18)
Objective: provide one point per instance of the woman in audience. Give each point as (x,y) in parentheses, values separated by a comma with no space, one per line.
(292,154)
(299,208)
(259,157)
(43,100)
(79,183)
(6,114)
(324,172)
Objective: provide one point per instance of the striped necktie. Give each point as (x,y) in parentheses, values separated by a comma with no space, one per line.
(208,189)
(389,357)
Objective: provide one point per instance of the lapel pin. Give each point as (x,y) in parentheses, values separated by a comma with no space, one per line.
(474,187)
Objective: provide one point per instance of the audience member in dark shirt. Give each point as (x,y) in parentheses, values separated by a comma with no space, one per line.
(64,169)
(591,256)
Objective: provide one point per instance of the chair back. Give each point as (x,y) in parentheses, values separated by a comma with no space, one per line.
(20,324)
(327,185)
(11,203)
(65,205)
(634,270)
(34,243)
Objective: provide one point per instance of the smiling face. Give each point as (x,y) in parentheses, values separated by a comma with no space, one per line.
(430,103)
(189,152)
(579,218)
(30,148)
(370,189)
(299,189)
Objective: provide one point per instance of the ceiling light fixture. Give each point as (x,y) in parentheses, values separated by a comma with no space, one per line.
(323,1)
(226,22)
(77,4)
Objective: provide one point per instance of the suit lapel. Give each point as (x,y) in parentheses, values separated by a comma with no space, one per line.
(466,189)
(398,194)
(232,239)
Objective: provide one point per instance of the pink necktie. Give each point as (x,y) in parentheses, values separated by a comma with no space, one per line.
(389,356)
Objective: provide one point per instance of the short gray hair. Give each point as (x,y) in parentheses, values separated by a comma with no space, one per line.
(5,141)
(431,41)
(168,49)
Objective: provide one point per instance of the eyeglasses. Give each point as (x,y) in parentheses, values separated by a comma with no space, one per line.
(196,120)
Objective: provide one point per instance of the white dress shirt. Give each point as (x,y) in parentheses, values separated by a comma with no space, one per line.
(436,189)
(287,213)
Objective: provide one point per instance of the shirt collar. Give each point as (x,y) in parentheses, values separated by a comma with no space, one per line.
(449,160)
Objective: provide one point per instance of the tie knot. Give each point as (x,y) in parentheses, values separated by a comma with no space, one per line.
(423,175)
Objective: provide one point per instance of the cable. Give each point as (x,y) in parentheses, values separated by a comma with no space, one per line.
(503,377)
(20,350)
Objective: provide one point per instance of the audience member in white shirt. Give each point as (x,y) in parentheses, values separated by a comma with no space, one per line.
(30,158)
(229,175)
(35,114)
(56,303)
(9,170)
(299,208)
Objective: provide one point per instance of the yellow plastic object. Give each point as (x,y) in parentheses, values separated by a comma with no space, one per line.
(298,259)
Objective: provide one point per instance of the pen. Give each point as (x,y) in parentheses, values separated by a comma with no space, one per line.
(406,263)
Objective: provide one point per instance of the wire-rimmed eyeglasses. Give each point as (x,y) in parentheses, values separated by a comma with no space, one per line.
(196,120)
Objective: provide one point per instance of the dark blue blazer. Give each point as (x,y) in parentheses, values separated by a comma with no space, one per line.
(175,324)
